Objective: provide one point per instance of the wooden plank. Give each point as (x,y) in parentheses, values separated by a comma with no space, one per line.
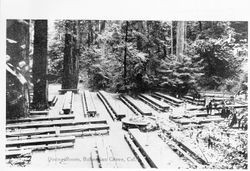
(139,105)
(153,149)
(53,124)
(198,165)
(87,133)
(107,106)
(19,138)
(29,133)
(17,152)
(162,105)
(90,106)
(229,106)
(136,152)
(101,129)
(39,141)
(40,119)
(94,127)
(43,146)
(167,97)
(67,104)
(43,112)
(66,90)
(118,108)
(130,106)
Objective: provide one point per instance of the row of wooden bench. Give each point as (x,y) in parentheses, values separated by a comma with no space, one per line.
(42,135)
(19,148)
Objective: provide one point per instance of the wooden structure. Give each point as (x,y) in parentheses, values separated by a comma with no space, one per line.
(155,103)
(174,101)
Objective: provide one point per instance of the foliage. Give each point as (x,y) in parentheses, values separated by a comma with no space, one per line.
(214,54)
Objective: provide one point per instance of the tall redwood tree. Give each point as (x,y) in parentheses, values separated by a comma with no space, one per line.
(40,63)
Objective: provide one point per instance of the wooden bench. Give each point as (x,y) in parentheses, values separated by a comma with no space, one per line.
(155,103)
(43,146)
(117,107)
(62,91)
(107,106)
(35,113)
(143,162)
(174,101)
(91,127)
(66,117)
(218,108)
(197,120)
(17,153)
(59,123)
(90,106)
(194,101)
(141,107)
(29,133)
(67,103)
(79,130)
(152,150)
(39,141)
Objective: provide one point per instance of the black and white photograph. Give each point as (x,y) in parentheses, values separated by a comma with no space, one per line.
(126,93)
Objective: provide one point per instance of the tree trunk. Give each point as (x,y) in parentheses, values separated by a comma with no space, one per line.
(125,54)
(138,38)
(102,27)
(180,40)
(172,39)
(76,55)
(71,56)
(200,26)
(40,99)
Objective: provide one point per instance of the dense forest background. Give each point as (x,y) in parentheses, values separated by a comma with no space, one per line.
(136,56)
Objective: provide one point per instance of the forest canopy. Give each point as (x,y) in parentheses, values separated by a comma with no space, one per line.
(177,56)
